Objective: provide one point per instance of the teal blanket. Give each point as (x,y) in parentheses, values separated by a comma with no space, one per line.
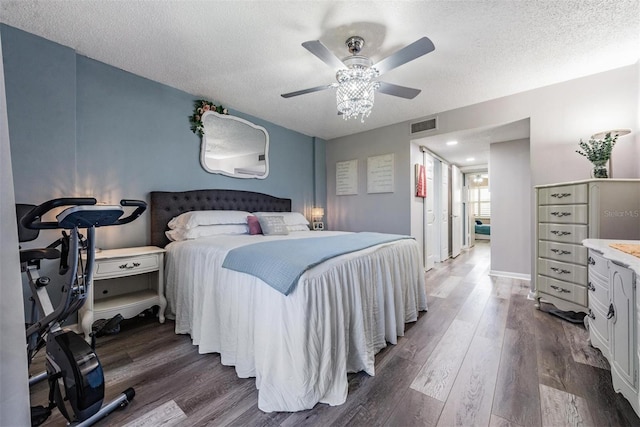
(281,263)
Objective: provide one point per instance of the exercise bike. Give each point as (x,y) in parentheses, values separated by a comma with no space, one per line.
(73,370)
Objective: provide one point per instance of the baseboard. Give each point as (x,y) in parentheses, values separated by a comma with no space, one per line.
(510,274)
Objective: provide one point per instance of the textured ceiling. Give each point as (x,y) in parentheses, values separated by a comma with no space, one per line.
(244,54)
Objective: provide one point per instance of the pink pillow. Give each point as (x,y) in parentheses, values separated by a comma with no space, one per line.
(254,225)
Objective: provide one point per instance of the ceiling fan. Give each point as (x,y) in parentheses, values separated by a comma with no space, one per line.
(355,75)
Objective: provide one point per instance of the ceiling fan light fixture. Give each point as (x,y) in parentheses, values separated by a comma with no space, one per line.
(355,92)
(355,85)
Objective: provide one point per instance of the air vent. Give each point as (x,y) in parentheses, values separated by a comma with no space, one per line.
(425,125)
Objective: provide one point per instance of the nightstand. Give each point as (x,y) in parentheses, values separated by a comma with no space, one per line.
(126,281)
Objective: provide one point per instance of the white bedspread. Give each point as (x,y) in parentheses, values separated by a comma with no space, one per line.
(301,346)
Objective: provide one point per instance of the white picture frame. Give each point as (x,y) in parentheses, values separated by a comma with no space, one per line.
(380,174)
(347,178)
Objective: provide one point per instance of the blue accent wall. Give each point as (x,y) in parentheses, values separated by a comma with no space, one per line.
(79,127)
(40,81)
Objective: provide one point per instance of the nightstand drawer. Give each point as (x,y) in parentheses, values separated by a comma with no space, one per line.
(564,195)
(563,233)
(570,214)
(563,290)
(126,266)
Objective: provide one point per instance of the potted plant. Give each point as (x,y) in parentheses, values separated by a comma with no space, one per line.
(598,152)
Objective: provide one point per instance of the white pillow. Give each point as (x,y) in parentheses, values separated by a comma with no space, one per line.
(290,218)
(271,224)
(180,234)
(196,218)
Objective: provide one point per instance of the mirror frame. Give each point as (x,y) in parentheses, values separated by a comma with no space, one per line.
(203,146)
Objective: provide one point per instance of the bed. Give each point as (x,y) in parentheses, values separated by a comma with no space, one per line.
(482,231)
(299,346)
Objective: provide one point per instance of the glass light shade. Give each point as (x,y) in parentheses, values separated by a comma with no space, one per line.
(355,93)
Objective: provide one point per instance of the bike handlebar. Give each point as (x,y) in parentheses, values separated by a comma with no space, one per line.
(140,208)
(30,219)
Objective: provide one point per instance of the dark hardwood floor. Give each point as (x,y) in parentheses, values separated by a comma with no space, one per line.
(481,356)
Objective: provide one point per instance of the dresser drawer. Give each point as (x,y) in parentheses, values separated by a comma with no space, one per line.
(563,233)
(563,290)
(563,271)
(598,264)
(572,214)
(564,195)
(598,323)
(598,289)
(567,252)
(125,266)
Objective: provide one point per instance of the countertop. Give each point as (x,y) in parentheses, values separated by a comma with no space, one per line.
(602,246)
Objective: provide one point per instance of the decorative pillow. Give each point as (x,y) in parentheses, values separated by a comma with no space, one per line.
(290,218)
(196,218)
(478,222)
(180,234)
(254,225)
(298,227)
(272,225)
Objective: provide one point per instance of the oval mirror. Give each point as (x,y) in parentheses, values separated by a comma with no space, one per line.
(234,147)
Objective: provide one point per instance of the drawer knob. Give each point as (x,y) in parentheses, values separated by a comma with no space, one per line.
(560,252)
(126,266)
(591,261)
(591,315)
(560,290)
(560,233)
(591,287)
(561,214)
(560,195)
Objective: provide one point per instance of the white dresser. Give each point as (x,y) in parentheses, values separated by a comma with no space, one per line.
(614,307)
(566,214)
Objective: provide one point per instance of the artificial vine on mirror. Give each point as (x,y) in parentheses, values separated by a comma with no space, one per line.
(201,106)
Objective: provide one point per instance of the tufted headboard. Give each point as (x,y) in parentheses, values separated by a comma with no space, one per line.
(168,204)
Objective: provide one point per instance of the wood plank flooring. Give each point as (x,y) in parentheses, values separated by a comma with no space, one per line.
(481,356)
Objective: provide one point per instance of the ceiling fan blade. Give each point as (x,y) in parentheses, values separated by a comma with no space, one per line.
(321,51)
(395,90)
(408,53)
(303,91)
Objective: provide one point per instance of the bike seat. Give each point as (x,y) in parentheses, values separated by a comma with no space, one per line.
(27,255)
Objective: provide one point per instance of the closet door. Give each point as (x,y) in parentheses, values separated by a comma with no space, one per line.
(430,214)
(444,212)
(456,211)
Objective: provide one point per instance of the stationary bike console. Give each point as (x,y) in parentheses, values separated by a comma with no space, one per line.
(74,372)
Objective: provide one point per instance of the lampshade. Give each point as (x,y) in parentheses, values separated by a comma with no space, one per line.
(317,212)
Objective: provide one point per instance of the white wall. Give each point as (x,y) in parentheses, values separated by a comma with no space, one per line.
(511,209)
(14,389)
